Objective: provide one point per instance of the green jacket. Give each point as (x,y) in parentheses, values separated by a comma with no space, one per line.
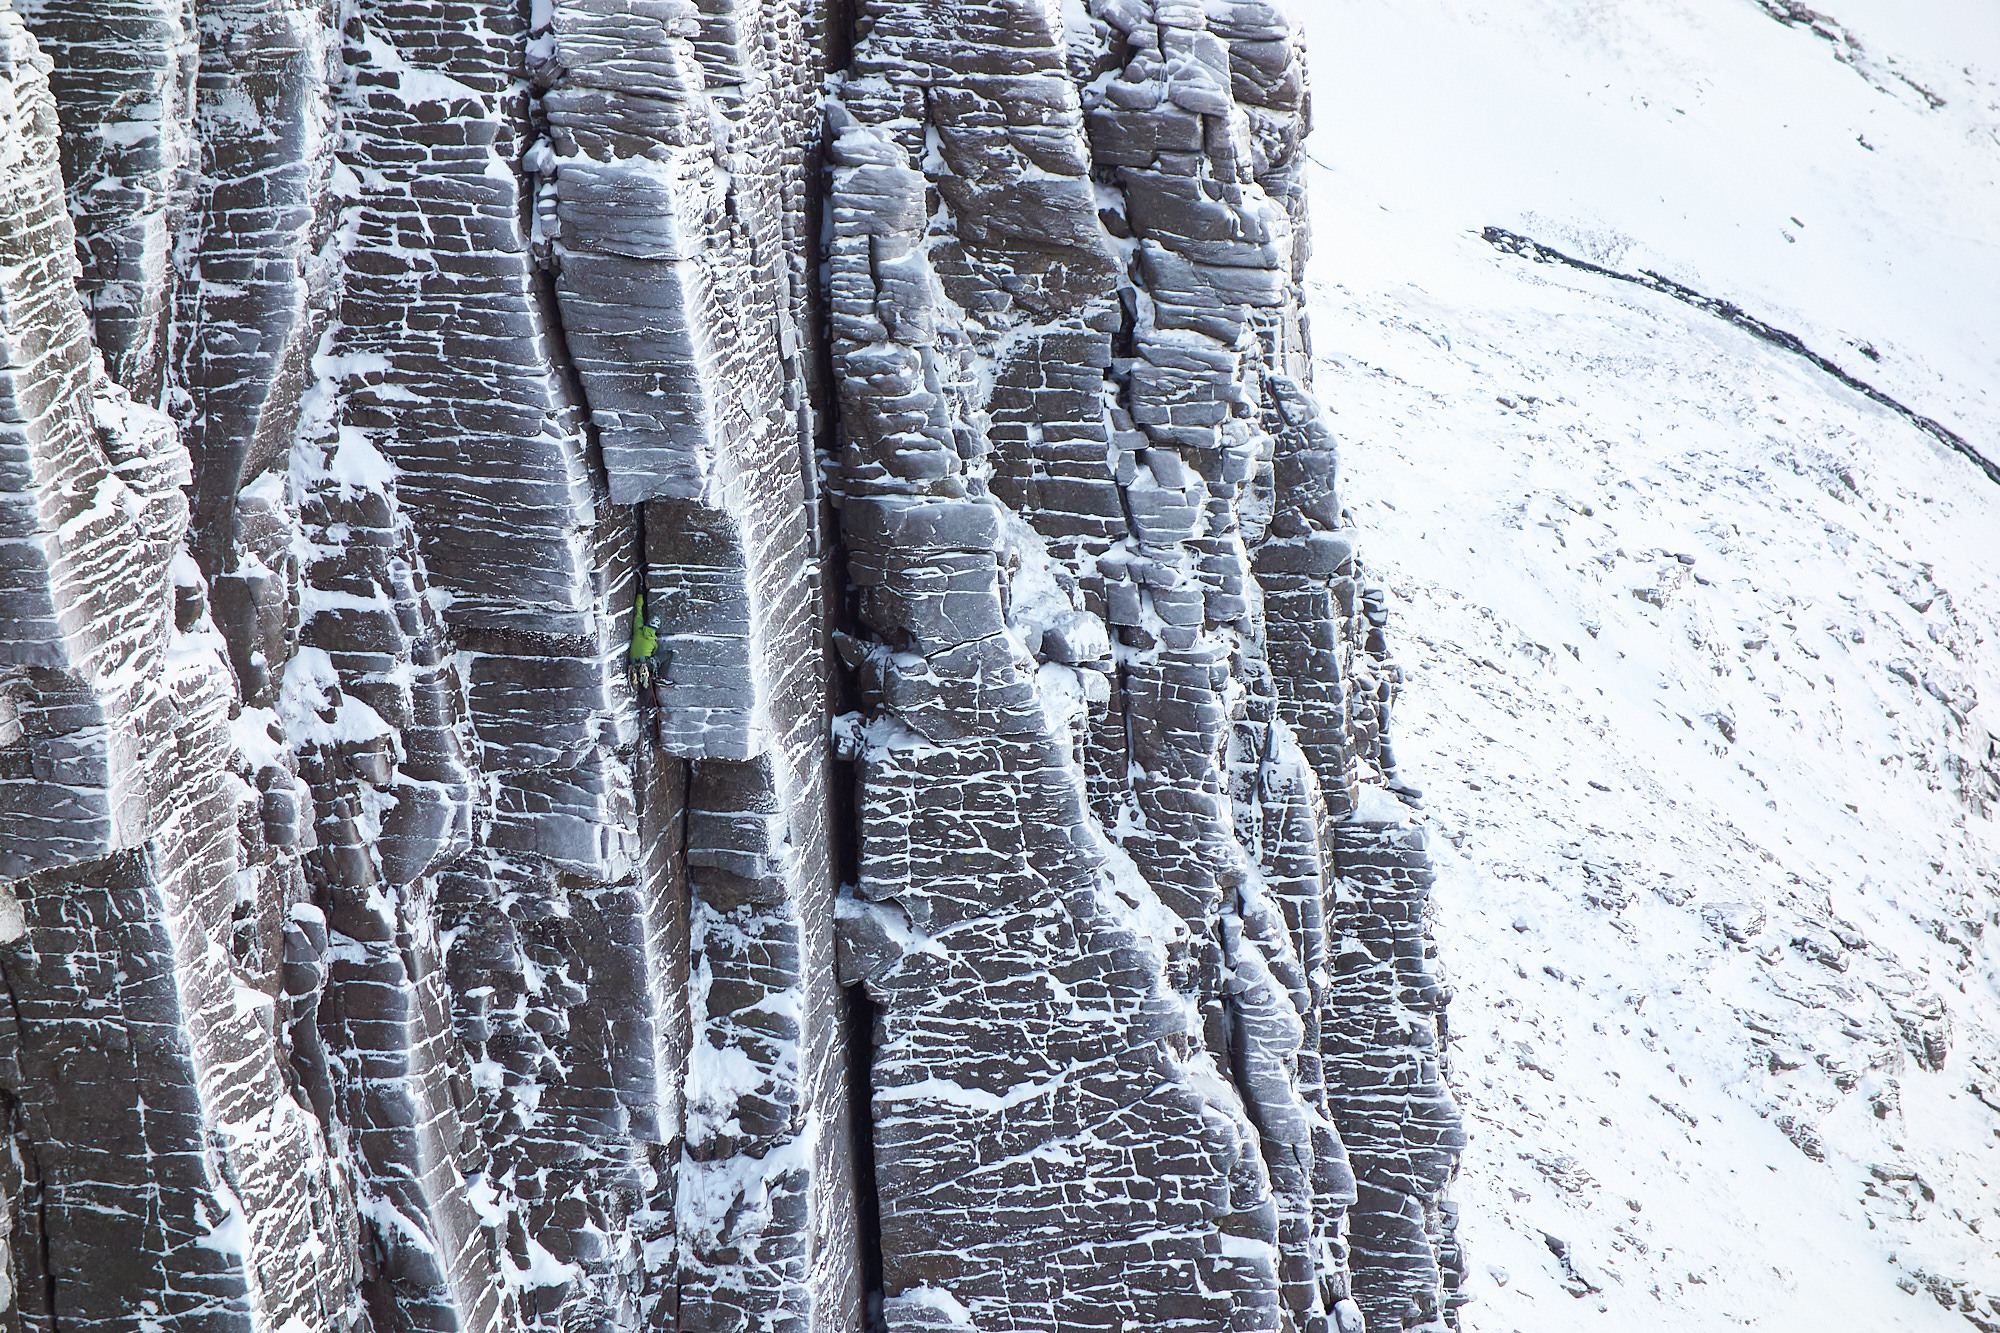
(645,643)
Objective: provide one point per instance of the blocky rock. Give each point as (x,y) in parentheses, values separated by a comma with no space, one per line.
(980,904)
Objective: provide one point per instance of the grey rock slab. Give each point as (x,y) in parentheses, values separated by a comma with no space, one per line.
(973,871)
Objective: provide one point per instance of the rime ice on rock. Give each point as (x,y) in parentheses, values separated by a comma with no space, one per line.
(428,978)
(673,219)
(146,894)
(124,78)
(1062,290)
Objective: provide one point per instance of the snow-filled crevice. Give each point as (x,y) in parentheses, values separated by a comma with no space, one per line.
(1527,247)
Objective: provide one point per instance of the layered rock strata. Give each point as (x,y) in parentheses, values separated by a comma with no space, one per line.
(984,907)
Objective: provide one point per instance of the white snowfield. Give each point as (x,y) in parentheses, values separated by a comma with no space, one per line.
(1703,647)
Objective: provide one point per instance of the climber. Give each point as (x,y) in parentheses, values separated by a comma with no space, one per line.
(643,664)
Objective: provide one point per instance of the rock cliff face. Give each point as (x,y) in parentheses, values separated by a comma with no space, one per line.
(985,907)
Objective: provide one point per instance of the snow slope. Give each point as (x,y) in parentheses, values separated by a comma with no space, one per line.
(1799,170)
(1703,647)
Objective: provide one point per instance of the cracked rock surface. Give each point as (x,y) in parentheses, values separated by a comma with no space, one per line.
(692,666)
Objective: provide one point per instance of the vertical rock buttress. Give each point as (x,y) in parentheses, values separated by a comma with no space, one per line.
(985,907)
(1123,694)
